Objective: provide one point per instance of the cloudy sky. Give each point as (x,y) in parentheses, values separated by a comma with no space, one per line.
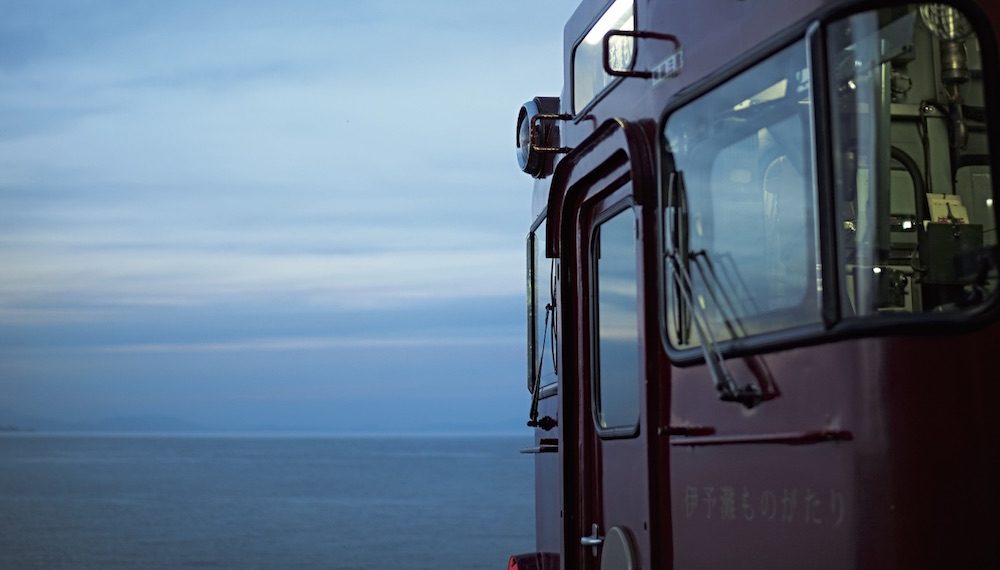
(241,214)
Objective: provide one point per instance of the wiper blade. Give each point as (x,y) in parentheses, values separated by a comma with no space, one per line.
(719,293)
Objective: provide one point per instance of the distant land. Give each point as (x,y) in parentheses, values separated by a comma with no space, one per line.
(11,422)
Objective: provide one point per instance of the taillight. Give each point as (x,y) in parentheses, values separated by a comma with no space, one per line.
(533,561)
(529,561)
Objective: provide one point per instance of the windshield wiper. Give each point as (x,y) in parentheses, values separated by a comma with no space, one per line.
(679,256)
(549,331)
(729,391)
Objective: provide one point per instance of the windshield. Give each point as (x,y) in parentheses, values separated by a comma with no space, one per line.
(914,227)
(744,157)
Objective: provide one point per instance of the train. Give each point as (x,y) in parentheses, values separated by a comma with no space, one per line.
(762,287)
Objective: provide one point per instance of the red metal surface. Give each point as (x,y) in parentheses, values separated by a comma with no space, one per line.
(596,469)
(790,438)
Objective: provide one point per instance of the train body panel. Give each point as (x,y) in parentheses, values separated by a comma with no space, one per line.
(763,287)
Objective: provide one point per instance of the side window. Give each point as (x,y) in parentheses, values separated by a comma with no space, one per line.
(589,77)
(911,161)
(742,155)
(541,312)
(616,383)
(910,181)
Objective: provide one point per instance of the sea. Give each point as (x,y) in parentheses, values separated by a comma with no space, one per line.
(263,501)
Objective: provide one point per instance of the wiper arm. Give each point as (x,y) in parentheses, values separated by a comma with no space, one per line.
(546,423)
(751,394)
(729,391)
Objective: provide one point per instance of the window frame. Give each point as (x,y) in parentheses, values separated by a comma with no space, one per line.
(835,325)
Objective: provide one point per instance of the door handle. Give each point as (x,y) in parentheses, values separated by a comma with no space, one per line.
(594,540)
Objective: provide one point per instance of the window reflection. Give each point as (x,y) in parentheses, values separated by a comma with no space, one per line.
(617,326)
(589,77)
(744,154)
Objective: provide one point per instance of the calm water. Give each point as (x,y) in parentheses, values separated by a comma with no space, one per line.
(263,502)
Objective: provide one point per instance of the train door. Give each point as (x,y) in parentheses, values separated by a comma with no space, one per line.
(614,443)
(607,461)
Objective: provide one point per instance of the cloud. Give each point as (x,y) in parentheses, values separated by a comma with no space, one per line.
(122,278)
(20,316)
(314,343)
(219,193)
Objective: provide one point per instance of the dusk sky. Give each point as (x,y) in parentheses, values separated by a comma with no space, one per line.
(298,214)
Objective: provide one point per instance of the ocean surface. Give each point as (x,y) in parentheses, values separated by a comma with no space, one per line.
(127,501)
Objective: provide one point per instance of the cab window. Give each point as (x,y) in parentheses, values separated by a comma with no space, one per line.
(915,216)
(589,77)
(542,275)
(742,161)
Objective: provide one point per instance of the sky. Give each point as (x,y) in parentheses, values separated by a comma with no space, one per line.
(267,215)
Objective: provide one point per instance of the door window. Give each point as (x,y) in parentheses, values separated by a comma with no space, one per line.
(617,358)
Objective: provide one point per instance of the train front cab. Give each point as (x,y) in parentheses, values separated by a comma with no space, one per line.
(764,297)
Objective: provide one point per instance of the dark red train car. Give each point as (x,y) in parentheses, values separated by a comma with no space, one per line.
(763,287)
